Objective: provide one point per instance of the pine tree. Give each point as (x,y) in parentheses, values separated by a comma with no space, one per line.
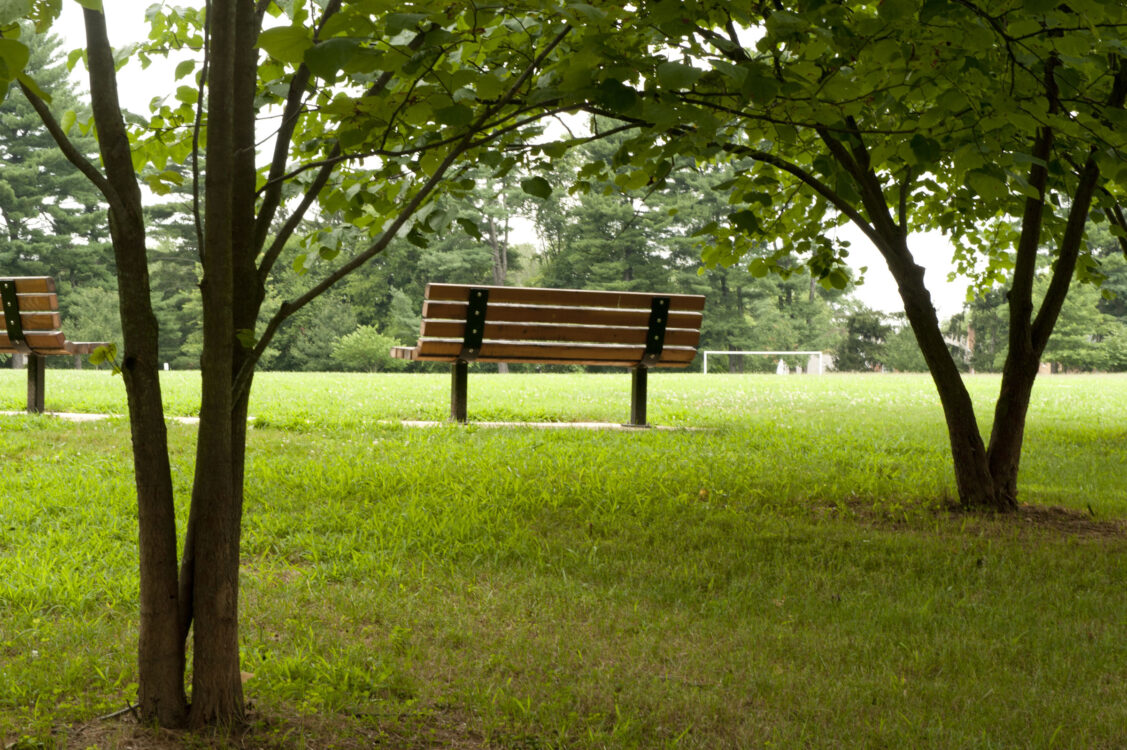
(52,221)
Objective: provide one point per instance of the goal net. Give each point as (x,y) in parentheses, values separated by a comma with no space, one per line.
(779,362)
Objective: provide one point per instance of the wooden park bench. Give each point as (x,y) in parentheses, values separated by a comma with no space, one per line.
(30,326)
(463,324)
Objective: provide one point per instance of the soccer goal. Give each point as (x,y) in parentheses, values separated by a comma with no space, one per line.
(811,369)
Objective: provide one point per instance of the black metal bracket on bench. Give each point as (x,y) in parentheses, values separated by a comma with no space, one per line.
(471,347)
(655,344)
(655,336)
(475,325)
(12,320)
(36,364)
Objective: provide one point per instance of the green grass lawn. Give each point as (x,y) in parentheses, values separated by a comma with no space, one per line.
(786,576)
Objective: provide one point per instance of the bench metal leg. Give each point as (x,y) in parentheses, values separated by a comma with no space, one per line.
(459,373)
(36,365)
(638,396)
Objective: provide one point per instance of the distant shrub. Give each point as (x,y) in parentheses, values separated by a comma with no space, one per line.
(366,350)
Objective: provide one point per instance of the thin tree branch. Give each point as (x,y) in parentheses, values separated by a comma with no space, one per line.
(73,155)
(295,98)
(1074,232)
(905,189)
(288,308)
(821,188)
(204,71)
(1115,216)
(326,168)
(1032,222)
(1067,256)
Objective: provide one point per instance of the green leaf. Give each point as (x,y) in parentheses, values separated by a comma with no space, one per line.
(537,187)
(926,150)
(674,75)
(590,12)
(745,221)
(837,278)
(759,268)
(185,68)
(633,181)
(13,10)
(329,57)
(106,355)
(456,115)
(616,96)
(399,22)
(896,10)
(416,237)
(286,43)
(470,227)
(935,9)
(986,185)
(246,337)
(13,57)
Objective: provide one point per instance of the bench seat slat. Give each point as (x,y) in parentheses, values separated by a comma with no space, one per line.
(564,297)
(36,341)
(38,302)
(45,321)
(32,284)
(436,350)
(449,329)
(576,315)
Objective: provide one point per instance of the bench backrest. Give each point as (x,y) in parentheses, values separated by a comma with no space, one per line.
(559,326)
(30,321)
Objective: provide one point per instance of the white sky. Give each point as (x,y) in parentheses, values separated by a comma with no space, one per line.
(136,87)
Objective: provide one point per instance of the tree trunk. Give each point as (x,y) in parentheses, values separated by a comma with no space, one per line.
(1008,432)
(973,478)
(160,648)
(216,513)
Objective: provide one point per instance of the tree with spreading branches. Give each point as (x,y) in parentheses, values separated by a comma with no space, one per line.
(375,113)
(1002,124)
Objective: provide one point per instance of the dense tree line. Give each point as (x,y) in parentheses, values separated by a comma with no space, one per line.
(602,235)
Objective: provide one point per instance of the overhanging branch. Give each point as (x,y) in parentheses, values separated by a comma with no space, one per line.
(288,308)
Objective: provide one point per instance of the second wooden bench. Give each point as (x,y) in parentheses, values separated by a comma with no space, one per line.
(30,326)
(463,324)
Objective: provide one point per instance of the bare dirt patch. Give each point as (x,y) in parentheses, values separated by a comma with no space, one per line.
(1069,522)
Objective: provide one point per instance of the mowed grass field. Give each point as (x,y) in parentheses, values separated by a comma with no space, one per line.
(783,569)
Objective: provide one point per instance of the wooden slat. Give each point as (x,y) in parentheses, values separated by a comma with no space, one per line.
(403,352)
(83,347)
(36,321)
(445,329)
(563,297)
(31,284)
(37,341)
(576,316)
(38,302)
(546,361)
(445,350)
